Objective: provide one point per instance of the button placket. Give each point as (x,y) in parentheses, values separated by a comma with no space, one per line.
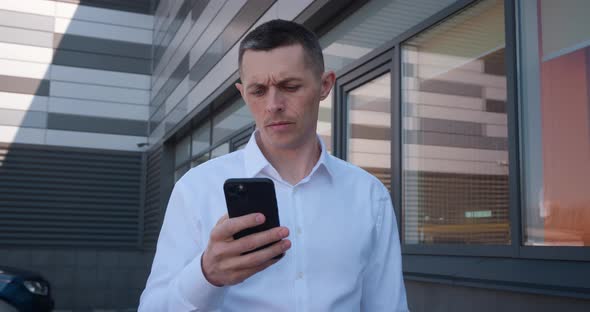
(299,265)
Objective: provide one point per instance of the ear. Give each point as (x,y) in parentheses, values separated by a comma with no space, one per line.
(328,80)
(240,88)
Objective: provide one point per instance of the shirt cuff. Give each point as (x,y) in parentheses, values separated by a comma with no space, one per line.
(196,289)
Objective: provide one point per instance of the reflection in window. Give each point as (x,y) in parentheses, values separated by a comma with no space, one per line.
(369,127)
(201,138)
(369,27)
(324,127)
(220,150)
(241,146)
(454,131)
(182,151)
(555,119)
(178,173)
(234,117)
(199,160)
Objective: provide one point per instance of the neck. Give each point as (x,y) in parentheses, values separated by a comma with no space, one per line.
(292,164)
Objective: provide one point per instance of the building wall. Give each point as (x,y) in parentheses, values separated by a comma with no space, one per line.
(73,75)
(196,51)
(74,95)
(195,56)
(98,77)
(434,297)
(85,279)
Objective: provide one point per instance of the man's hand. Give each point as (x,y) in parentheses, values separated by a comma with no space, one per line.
(223,263)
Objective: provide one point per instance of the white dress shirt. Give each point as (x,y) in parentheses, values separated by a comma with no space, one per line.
(345,253)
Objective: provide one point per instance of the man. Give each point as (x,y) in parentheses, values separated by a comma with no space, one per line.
(343,250)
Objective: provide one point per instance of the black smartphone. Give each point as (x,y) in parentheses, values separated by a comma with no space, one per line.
(250,195)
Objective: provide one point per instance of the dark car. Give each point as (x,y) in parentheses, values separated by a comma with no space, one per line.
(24,291)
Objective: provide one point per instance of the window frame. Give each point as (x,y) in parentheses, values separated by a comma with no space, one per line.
(238,135)
(513,267)
(509,250)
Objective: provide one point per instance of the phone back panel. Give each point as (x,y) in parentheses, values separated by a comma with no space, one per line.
(246,196)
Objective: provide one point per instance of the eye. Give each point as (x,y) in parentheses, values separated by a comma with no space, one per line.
(257,92)
(291,88)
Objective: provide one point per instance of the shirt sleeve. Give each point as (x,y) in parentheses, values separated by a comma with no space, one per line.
(176,281)
(383,283)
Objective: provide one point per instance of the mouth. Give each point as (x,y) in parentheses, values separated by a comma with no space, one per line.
(279,125)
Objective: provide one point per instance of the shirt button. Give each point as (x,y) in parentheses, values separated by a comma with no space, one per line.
(298,231)
(300,275)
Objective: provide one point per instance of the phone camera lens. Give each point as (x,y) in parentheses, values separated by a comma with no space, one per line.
(240,188)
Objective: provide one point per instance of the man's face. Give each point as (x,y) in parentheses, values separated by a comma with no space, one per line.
(283,93)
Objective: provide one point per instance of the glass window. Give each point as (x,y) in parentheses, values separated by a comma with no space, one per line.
(324,127)
(555,122)
(369,27)
(220,150)
(234,117)
(201,138)
(179,172)
(369,127)
(373,25)
(182,151)
(201,159)
(454,131)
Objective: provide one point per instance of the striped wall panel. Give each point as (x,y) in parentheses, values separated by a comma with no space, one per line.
(75,73)
(195,51)
(68,197)
(152,219)
(136,6)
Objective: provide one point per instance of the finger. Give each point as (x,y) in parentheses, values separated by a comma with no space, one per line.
(222,219)
(258,258)
(246,273)
(226,229)
(251,242)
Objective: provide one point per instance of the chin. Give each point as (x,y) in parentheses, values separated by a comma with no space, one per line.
(279,141)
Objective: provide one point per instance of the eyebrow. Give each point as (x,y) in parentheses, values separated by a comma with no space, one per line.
(281,82)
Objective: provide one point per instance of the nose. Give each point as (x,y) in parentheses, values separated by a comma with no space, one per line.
(275,101)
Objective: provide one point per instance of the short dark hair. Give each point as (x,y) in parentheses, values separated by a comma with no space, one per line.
(280,33)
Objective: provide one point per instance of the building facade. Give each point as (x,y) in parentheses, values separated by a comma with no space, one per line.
(474,113)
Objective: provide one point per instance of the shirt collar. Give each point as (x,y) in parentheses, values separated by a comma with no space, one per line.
(255,162)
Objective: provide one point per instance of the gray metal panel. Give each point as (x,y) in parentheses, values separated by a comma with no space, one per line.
(152,212)
(197,9)
(101,61)
(175,79)
(27,21)
(451,126)
(495,106)
(247,16)
(27,37)
(181,15)
(99,45)
(96,124)
(451,87)
(368,132)
(24,85)
(198,6)
(9,117)
(164,24)
(68,197)
(135,6)
(424,295)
